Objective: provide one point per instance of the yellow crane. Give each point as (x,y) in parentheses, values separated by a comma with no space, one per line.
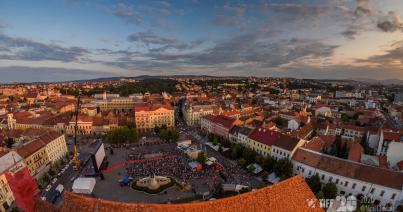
(76,161)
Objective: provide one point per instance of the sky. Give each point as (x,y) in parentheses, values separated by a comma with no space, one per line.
(59,40)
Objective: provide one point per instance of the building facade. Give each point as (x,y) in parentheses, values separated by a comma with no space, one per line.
(193,113)
(149,116)
(384,186)
(35,157)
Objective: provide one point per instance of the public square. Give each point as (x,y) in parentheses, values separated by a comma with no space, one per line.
(165,159)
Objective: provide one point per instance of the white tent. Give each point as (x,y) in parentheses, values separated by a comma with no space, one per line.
(84,185)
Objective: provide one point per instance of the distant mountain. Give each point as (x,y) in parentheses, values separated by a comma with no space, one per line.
(143,77)
(383,82)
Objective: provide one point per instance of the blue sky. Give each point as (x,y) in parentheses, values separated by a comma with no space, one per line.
(304,38)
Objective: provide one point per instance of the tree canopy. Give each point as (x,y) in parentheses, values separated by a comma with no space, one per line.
(121,135)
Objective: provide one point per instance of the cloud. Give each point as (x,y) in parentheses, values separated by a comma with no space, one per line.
(25,49)
(394,56)
(258,48)
(294,11)
(230,15)
(364,8)
(390,23)
(164,3)
(153,10)
(127,12)
(156,42)
(349,33)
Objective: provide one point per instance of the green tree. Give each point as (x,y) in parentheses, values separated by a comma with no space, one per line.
(202,158)
(46,178)
(344,117)
(242,162)
(51,172)
(131,125)
(283,168)
(249,155)
(10,142)
(268,163)
(329,190)
(320,195)
(121,135)
(259,159)
(264,175)
(314,183)
(238,150)
(251,168)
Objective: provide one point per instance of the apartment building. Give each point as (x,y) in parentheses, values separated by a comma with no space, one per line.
(218,124)
(55,145)
(384,186)
(193,113)
(35,157)
(240,135)
(148,116)
(261,140)
(8,161)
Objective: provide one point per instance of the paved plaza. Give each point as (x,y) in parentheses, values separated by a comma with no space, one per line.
(169,162)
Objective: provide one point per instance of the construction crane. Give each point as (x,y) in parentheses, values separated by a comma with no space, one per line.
(76,161)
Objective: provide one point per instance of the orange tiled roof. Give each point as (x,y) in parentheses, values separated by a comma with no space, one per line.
(288,195)
(30,148)
(350,169)
(151,107)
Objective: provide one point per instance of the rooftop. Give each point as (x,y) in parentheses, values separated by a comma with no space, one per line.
(350,169)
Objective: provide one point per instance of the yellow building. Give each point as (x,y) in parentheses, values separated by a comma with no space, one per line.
(121,103)
(56,147)
(262,139)
(8,161)
(84,125)
(6,196)
(149,116)
(35,157)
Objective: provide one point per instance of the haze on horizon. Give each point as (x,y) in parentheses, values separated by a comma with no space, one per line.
(55,40)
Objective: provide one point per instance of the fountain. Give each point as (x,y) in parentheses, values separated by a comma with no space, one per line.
(153,184)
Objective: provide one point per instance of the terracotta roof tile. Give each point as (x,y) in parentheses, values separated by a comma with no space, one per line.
(30,148)
(225,121)
(265,136)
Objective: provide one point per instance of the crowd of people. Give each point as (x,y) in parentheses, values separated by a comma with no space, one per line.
(174,163)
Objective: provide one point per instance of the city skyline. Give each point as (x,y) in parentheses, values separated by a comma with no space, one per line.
(71,40)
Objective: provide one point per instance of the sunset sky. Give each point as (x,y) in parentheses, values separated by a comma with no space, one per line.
(64,40)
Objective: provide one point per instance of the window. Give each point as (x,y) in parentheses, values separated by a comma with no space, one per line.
(382,193)
(323,176)
(372,190)
(330,179)
(310,172)
(363,188)
(353,187)
(346,183)
(393,196)
(337,181)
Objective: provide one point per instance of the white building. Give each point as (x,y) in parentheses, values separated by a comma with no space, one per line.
(384,186)
(239,134)
(285,147)
(193,113)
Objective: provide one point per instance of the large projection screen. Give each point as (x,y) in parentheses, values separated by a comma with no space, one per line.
(100,155)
